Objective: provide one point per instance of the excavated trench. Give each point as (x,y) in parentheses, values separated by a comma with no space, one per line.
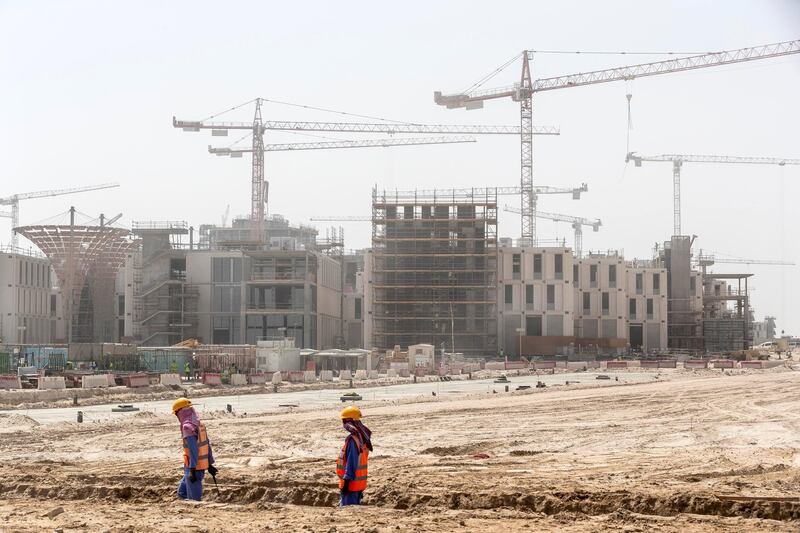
(240,490)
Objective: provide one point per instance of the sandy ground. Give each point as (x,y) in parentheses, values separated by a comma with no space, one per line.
(698,452)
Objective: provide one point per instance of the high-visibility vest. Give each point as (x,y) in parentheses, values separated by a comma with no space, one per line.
(202,450)
(360,482)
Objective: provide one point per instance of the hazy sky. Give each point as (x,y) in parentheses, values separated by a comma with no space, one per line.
(89,89)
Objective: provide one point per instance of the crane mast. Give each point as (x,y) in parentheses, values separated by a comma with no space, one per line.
(678,160)
(523,91)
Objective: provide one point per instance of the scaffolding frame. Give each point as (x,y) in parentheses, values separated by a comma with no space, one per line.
(434,272)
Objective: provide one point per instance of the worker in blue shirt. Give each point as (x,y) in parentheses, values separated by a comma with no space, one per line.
(197,453)
(352,464)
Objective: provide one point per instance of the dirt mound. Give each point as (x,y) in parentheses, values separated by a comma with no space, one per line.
(17,420)
(145,414)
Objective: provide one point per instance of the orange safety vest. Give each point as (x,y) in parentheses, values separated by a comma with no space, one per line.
(202,450)
(360,482)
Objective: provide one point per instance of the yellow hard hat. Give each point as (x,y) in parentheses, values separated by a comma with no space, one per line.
(351,412)
(180,403)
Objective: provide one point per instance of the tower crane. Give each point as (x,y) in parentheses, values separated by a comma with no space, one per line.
(371,143)
(14,200)
(258,186)
(678,160)
(708,259)
(523,91)
(577,225)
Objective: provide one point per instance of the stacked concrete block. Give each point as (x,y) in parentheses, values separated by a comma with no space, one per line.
(212,379)
(361,374)
(10,382)
(52,382)
(695,363)
(257,379)
(96,382)
(169,380)
(238,379)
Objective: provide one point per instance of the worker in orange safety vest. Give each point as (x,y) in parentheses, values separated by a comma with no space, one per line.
(197,454)
(352,464)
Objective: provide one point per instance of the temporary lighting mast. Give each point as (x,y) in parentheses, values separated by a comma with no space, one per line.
(523,91)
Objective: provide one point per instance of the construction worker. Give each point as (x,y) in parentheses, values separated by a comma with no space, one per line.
(352,464)
(173,367)
(187,370)
(197,454)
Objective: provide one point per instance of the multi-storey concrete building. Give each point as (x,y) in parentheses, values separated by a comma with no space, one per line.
(535,298)
(29,304)
(647,306)
(227,296)
(600,300)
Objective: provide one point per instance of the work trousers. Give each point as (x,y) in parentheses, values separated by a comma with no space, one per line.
(191,491)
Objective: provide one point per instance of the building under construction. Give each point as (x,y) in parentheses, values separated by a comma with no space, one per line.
(86,260)
(433,270)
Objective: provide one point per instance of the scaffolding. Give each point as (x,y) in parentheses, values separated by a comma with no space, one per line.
(434,273)
(725,329)
(165,305)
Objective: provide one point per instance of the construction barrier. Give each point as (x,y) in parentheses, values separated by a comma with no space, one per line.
(170,380)
(360,374)
(52,382)
(276,378)
(404,372)
(309,376)
(616,364)
(99,381)
(667,363)
(495,365)
(136,380)
(391,373)
(344,375)
(257,379)
(695,363)
(326,375)
(649,364)
(752,364)
(515,365)
(212,378)
(112,380)
(723,363)
(543,365)
(297,376)
(373,374)
(238,379)
(10,382)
